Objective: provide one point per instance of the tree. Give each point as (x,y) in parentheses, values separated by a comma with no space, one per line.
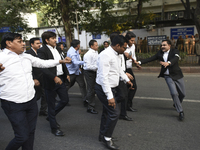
(11,16)
(195,13)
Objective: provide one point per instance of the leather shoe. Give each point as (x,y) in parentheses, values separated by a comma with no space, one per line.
(43,113)
(110,144)
(101,137)
(181,116)
(125,118)
(132,109)
(92,111)
(57,132)
(58,126)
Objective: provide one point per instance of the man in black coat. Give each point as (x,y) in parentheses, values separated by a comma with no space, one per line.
(172,73)
(54,79)
(38,77)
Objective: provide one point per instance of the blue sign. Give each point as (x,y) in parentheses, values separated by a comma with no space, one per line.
(4,29)
(155,40)
(176,32)
(98,36)
(63,39)
(52,30)
(7,29)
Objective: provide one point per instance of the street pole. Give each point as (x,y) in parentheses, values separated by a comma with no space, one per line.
(77,25)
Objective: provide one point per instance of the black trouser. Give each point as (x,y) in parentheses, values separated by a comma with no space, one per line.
(23,118)
(81,82)
(53,110)
(122,95)
(110,115)
(90,77)
(41,94)
(131,93)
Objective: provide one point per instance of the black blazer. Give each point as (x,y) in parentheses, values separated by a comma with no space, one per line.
(36,72)
(174,70)
(50,73)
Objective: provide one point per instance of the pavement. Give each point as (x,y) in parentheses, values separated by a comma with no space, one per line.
(188,69)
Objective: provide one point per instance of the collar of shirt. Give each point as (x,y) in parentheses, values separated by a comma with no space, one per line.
(113,50)
(50,47)
(92,50)
(7,51)
(34,50)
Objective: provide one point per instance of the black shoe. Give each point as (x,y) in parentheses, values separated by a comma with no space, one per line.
(174,105)
(58,126)
(110,144)
(131,109)
(57,132)
(85,103)
(43,113)
(101,138)
(125,118)
(181,116)
(92,111)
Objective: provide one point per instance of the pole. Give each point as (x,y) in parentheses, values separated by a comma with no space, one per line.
(77,25)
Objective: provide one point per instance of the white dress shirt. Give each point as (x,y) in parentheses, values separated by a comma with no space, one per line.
(109,71)
(56,56)
(165,57)
(129,61)
(90,59)
(16,80)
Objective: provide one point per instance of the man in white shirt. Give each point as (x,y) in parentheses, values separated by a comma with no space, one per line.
(17,89)
(130,36)
(172,73)
(108,74)
(90,68)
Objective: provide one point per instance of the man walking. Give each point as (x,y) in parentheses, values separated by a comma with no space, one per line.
(90,68)
(75,73)
(108,75)
(38,77)
(54,81)
(17,92)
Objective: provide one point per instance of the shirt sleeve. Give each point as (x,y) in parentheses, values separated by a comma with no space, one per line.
(40,63)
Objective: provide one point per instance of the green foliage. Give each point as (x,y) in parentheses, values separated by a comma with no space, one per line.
(11,16)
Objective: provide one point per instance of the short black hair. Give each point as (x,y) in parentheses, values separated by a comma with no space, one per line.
(9,37)
(113,34)
(168,41)
(32,40)
(105,42)
(119,39)
(130,35)
(47,35)
(92,42)
(75,43)
(60,43)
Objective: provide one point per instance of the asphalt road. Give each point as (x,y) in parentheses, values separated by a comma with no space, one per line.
(154,127)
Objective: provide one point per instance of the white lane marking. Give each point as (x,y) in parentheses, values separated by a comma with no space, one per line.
(154,98)
(167,99)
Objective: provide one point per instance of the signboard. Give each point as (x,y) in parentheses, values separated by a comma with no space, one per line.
(63,39)
(155,40)
(4,29)
(176,32)
(98,36)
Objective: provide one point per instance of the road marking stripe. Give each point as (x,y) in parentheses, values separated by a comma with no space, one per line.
(155,98)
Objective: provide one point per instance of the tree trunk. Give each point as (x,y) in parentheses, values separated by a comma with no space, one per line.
(197,17)
(66,21)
